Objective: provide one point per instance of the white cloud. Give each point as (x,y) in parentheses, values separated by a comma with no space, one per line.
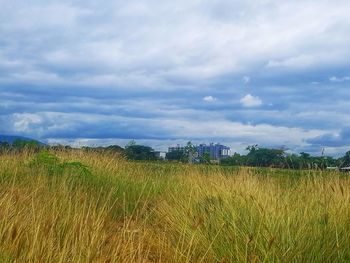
(251,101)
(300,61)
(337,79)
(192,40)
(22,122)
(48,15)
(209,99)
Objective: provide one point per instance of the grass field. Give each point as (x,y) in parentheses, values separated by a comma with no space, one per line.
(86,207)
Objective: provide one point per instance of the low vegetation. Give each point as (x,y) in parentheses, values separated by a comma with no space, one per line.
(79,206)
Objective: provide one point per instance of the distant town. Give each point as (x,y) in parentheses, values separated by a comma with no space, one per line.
(213,152)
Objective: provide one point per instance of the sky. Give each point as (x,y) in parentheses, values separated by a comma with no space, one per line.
(267,72)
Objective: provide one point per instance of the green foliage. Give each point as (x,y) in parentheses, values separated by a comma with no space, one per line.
(51,163)
(108,149)
(20,145)
(265,157)
(47,161)
(76,167)
(139,152)
(345,160)
(236,159)
(24,144)
(190,148)
(115,148)
(177,156)
(131,143)
(260,157)
(205,158)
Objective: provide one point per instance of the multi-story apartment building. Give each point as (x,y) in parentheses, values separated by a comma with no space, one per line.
(216,151)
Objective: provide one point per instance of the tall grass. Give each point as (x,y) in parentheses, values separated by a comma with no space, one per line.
(87,207)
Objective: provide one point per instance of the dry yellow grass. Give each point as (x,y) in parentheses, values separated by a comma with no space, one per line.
(161,212)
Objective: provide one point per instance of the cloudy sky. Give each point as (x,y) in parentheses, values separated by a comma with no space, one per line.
(271,72)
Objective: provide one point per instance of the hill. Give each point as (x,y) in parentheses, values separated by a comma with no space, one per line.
(11,138)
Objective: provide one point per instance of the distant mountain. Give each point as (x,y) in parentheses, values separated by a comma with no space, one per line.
(10,139)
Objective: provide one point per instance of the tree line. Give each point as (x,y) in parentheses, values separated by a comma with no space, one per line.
(266,157)
(132,151)
(256,156)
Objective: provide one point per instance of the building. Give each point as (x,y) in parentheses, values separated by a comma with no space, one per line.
(160,155)
(215,151)
(345,169)
(177,148)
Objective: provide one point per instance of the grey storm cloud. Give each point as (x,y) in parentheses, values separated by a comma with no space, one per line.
(339,139)
(272,72)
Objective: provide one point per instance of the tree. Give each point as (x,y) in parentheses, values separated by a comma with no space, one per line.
(114,148)
(177,155)
(190,150)
(235,159)
(345,160)
(252,148)
(131,143)
(264,156)
(26,144)
(293,161)
(139,152)
(305,156)
(205,158)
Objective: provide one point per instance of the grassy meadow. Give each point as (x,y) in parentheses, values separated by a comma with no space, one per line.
(87,207)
